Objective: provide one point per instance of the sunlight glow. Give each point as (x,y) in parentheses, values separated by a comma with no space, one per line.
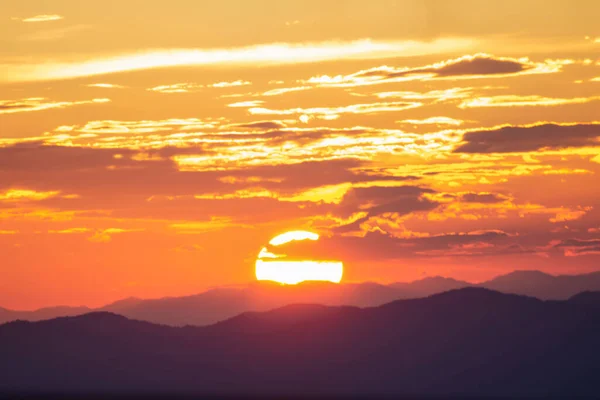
(275,53)
(293,235)
(295,271)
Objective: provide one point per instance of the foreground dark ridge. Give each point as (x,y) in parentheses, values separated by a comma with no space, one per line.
(470,341)
(222,303)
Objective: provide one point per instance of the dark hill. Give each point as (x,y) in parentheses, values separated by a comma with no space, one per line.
(471,341)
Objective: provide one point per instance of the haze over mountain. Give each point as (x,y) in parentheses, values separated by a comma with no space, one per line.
(471,341)
(544,286)
(221,303)
(41,314)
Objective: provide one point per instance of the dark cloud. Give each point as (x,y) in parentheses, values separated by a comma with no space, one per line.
(15,106)
(130,185)
(477,65)
(579,247)
(39,157)
(481,65)
(486,198)
(381,199)
(69,168)
(382,246)
(377,200)
(530,138)
(448,240)
(262,125)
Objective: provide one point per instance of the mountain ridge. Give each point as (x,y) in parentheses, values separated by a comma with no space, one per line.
(219,304)
(511,345)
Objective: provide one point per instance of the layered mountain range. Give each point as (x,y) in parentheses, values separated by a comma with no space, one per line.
(221,303)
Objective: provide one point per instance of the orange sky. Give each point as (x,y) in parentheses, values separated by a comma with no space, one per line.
(152,149)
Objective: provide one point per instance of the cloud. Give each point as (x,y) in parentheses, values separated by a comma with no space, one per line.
(38,159)
(188,87)
(112,127)
(483,198)
(335,112)
(40,103)
(177,88)
(384,245)
(515,139)
(105,235)
(261,125)
(432,121)
(70,231)
(198,227)
(360,206)
(51,174)
(279,91)
(249,103)
(105,86)
(285,53)
(578,247)
(479,65)
(16,195)
(475,247)
(437,95)
(40,18)
(213,143)
(230,84)
(523,101)
(479,207)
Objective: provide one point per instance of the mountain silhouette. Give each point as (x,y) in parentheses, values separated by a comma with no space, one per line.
(544,286)
(42,313)
(428,286)
(471,342)
(590,299)
(222,303)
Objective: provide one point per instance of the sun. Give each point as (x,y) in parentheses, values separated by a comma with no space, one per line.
(273,264)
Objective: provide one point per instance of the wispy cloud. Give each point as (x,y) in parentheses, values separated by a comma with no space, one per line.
(106,86)
(335,112)
(105,235)
(39,18)
(479,65)
(278,91)
(230,84)
(69,231)
(138,127)
(438,95)
(187,87)
(177,88)
(514,139)
(249,103)
(523,101)
(41,103)
(261,54)
(15,195)
(432,121)
(578,247)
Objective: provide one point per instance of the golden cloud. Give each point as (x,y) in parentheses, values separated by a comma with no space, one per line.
(40,18)
(523,101)
(40,103)
(285,53)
